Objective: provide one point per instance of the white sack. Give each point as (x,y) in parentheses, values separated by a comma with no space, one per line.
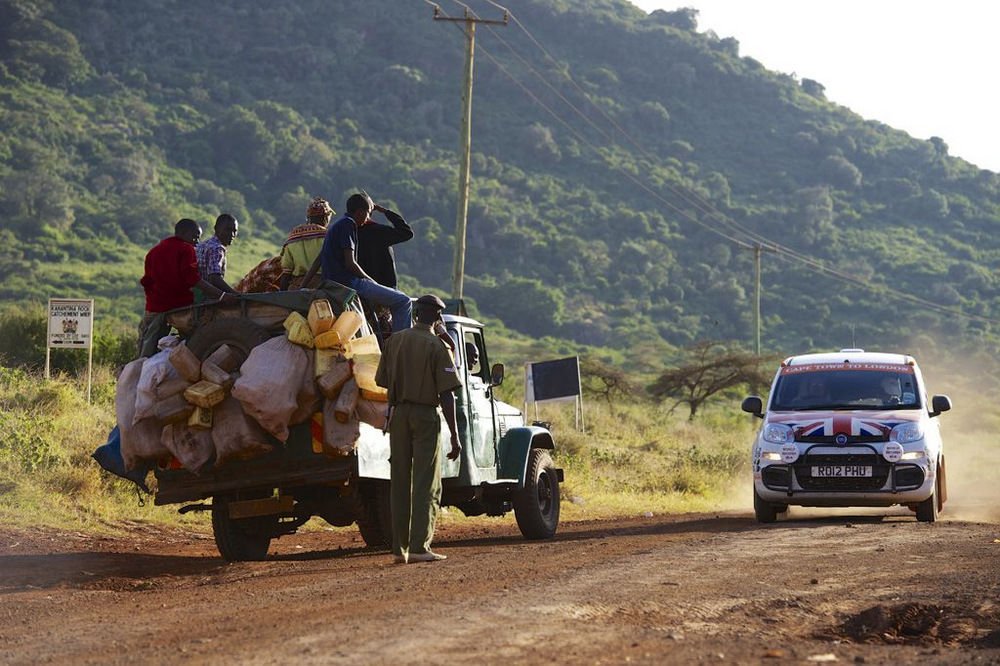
(269,384)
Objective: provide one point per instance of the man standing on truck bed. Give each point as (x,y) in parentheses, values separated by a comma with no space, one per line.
(212,253)
(419,373)
(338,258)
(171,271)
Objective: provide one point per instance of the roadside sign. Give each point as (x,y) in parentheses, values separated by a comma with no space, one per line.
(71,326)
(554,380)
(71,323)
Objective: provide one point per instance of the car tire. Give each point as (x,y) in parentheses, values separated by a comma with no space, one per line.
(765,512)
(927,511)
(536,505)
(241,335)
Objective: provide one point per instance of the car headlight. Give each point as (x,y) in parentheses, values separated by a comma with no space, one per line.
(770,455)
(910,431)
(913,455)
(777,433)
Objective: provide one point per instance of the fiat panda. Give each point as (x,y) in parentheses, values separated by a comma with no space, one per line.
(851,428)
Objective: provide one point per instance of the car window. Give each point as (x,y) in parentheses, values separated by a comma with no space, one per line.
(837,387)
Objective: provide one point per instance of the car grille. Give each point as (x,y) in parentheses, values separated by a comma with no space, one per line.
(803,472)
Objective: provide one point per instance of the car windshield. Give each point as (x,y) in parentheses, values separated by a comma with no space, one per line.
(840,387)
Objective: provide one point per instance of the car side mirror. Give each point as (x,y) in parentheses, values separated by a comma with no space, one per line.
(752,404)
(939,404)
(496,374)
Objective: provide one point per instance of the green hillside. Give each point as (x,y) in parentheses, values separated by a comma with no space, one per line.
(623,165)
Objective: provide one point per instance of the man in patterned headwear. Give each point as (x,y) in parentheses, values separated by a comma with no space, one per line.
(304,244)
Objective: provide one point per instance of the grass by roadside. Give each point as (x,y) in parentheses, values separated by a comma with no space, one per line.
(631,459)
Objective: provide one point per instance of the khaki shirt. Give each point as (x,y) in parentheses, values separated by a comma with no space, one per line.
(416,366)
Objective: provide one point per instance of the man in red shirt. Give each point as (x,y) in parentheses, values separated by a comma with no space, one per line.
(171,272)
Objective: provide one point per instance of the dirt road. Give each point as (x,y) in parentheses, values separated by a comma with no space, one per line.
(683,589)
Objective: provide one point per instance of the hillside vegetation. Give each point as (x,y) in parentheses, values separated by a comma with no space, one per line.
(610,183)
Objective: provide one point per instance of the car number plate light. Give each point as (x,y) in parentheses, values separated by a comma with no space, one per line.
(841,470)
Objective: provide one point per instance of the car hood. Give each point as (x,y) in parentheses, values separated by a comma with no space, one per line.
(846,421)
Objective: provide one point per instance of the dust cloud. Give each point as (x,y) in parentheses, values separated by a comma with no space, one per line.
(969,432)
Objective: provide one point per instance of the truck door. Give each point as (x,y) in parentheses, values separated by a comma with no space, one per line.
(482,418)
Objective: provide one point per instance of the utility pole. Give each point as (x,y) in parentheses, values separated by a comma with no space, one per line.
(758,249)
(458,273)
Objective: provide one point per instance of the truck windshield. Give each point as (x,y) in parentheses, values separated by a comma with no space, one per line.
(837,387)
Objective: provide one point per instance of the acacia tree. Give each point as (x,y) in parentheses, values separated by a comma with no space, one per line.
(710,367)
(605,381)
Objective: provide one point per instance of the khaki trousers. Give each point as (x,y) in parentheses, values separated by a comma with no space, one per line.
(415,481)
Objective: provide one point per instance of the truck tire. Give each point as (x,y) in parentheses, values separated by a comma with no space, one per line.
(245,540)
(765,512)
(536,505)
(240,334)
(375,515)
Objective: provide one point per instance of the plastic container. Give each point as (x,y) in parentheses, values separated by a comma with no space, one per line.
(200,419)
(321,316)
(343,408)
(347,324)
(331,381)
(298,331)
(366,344)
(365,367)
(225,357)
(185,362)
(174,409)
(213,373)
(329,340)
(205,394)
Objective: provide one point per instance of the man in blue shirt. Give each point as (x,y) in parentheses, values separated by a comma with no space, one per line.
(339,261)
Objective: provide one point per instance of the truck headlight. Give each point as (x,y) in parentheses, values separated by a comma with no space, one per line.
(893,452)
(910,431)
(777,433)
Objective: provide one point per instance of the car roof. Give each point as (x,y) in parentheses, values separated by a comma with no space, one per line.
(850,356)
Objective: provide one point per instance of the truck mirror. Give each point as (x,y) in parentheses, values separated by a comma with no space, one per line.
(753,405)
(940,403)
(496,374)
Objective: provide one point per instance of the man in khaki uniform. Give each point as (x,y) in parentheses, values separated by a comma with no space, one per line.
(419,372)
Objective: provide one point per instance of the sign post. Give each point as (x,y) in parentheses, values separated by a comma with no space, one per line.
(71,326)
(554,380)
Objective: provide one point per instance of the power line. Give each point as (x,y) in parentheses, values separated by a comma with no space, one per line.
(691,198)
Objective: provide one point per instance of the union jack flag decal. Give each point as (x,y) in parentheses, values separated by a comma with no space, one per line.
(831,425)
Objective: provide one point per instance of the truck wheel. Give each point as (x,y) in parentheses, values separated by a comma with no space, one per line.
(375,515)
(764,511)
(240,334)
(536,506)
(927,511)
(241,540)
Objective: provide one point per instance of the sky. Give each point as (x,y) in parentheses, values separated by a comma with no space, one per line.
(922,66)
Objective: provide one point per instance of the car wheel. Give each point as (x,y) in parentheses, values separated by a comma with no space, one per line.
(927,511)
(536,506)
(764,511)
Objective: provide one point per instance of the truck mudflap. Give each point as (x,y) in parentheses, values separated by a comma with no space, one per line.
(514,448)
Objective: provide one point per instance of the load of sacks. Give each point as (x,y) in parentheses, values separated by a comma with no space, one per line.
(205,413)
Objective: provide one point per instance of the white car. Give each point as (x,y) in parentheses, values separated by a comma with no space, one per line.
(851,428)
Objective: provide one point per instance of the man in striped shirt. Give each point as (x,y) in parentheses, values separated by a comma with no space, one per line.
(212,253)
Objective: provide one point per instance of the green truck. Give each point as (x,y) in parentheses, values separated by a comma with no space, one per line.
(505,464)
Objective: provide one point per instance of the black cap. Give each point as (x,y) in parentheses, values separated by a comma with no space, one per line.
(431,301)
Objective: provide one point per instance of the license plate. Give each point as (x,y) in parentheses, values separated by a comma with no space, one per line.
(842,470)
